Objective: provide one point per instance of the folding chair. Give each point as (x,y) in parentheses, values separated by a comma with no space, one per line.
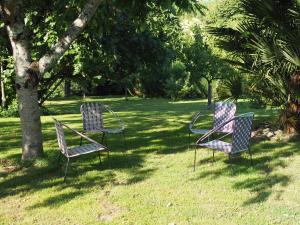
(76,151)
(240,140)
(92,118)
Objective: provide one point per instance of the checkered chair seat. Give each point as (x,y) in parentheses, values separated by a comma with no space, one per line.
(85,149)
(218,145)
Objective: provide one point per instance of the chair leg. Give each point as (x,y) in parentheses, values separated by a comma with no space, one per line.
(66,170)
(105,139)
(124,140)
(230,164)
(102,138)
(108,160)
(213,155)
(195,158)
(100,158)
(58,158)
(80,141)
(250,153)
(189,140)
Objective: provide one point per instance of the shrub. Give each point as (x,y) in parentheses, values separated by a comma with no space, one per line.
(11,111)
(231,87)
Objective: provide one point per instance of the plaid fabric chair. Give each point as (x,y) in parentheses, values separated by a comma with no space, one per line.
(241,135)
(223,111)
(75,151)
(92,118)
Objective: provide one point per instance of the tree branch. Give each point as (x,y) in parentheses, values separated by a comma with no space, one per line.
(57,51)
(43,98)
(7,9)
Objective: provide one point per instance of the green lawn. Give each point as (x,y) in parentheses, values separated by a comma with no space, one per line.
(154,182)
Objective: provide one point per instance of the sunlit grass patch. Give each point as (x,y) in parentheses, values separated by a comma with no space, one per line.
(153,182)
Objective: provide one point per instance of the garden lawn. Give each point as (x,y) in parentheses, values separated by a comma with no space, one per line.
(153,182)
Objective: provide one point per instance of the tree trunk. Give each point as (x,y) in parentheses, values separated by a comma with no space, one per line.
(3,97)
(84,91)
(67,88)
(290,117)
(27,96)
(26,86)
(209,94)
(32,138)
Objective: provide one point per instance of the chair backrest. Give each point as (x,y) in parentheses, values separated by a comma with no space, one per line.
(92,116)
(224,111)
(242,132)
(62,144)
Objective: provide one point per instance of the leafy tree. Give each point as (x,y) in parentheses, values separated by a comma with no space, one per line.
(36,49)
(220,13)
(28,71)
(179,84)
(266,44)
(5,62)
(202,64)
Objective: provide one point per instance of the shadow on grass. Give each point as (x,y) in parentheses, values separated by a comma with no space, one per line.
(267,158)
(154,126)
(49,175)
(57,200)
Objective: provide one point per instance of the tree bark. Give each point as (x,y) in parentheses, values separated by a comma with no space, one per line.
(26,86)
(209,93)
(3,97)
(290,117)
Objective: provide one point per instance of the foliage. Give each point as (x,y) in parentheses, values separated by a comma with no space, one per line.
(203,64)
(8,78)
(179,84)
(231,87)
(143,37)
(256,100)
(138,55)
(220,13)
(11,111)
(266,44)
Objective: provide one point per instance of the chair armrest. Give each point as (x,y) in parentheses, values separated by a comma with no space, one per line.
(82,135)
(209,133)
(195,117)
(214,130)
(121,122)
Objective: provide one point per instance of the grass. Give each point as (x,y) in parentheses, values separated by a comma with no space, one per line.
(154,182)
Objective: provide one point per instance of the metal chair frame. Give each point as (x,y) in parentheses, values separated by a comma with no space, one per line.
(237,145)
(82,150)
